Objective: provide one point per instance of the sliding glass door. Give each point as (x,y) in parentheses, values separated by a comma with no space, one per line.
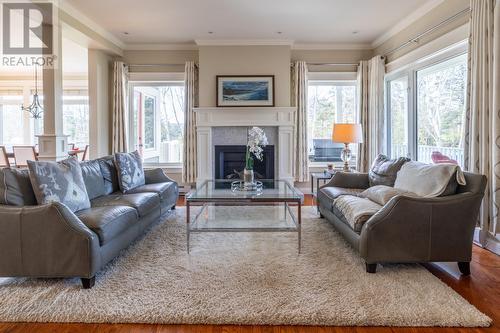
(426,110)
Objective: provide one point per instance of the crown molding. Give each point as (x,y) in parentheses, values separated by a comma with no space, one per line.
(406,22)
(331,46)
(161,47)
(85,20)
(243,42)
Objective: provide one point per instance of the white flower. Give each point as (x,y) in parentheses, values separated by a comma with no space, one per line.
(256,140)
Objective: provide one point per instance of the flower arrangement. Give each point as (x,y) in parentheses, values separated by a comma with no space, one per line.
(257,139)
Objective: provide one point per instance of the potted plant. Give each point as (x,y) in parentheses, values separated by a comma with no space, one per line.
(257,140)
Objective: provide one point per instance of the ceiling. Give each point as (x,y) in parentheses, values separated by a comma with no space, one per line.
(301,21)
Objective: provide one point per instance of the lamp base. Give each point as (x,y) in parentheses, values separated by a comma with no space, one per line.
(346,157)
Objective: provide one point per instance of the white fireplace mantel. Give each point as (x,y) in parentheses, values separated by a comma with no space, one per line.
(208,117)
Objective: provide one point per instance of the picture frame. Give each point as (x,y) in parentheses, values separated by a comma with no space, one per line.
(245,90)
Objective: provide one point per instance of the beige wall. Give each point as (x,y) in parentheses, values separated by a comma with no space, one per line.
(174,58)
(100,78)
(437,15)
(244,60)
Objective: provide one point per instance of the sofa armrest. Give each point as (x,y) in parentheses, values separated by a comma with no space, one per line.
(157,175)
(348,180)
(409,229)
(46,241)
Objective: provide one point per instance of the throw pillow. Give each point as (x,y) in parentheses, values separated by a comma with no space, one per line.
(381,194)
(130,171)
(384,170)
(59,182)
(15,187)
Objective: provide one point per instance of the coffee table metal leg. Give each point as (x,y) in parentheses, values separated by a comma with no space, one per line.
(299,226)
(187,225)
(286,208)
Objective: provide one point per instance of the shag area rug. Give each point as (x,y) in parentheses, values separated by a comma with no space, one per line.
(242,278)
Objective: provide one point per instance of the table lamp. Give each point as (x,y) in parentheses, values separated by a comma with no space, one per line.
(346,134)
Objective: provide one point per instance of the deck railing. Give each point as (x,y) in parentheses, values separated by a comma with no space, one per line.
(424,153)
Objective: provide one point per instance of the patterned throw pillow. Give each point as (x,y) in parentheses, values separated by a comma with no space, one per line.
(384,170)
(60,182)
(130,171)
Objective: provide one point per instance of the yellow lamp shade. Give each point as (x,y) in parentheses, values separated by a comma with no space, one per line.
(347,133)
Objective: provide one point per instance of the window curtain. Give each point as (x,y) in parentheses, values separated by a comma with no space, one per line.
(299,100)
(189,171)
(482,122)
(370,80)
(119,107)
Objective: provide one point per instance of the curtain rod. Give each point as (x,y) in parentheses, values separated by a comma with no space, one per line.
(331,64)
(153,65)
(428,31)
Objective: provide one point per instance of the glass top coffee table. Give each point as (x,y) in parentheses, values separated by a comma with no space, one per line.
(227,210)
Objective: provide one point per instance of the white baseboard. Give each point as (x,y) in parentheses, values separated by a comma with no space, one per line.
(490,242)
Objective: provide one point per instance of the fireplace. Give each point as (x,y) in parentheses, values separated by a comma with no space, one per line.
(230,162)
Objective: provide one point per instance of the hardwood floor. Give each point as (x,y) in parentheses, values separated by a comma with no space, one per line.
(481,288)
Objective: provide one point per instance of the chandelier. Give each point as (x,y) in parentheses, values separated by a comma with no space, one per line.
(35,109)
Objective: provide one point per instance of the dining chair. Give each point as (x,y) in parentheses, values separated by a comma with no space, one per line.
(23,154)
(71,146)
(4,159)
(85,153)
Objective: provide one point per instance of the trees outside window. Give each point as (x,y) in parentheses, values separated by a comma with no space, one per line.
(426,110)
(329,102)
(157,121)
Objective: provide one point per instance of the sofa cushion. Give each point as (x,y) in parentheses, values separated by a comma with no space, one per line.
(167,191)
(384,170)
(130,171)
(92,176)
(15,187)
(355,210)
(109,174)
(59,182)
(144,203)
(326,195)
(109,221)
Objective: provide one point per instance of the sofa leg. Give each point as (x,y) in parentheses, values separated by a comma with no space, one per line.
(464,267)
(371,268)
(88,283)
(173,207)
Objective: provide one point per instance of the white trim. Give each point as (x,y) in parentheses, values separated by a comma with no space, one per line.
(161,47)
(491,243)
(331,76)
(331,46)
(446,43)
(243,42)
(155,77)
(406,22)
(78,15)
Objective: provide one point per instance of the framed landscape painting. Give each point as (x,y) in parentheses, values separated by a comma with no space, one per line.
(245,90)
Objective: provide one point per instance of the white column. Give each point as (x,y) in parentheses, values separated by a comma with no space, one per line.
(204,154)
(285,153)
(99,109)
(52,144)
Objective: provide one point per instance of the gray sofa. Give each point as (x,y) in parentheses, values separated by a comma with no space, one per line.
(409,229)
(50,241)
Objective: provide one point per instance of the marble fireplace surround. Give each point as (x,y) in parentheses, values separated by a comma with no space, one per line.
(210,120)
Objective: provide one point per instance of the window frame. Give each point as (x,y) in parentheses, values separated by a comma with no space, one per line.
(141,80)
(411,72)
(334,79)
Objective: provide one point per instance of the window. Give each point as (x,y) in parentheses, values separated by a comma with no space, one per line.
(11,131)
(157,121)
(329,102)
(76,117)
(426,109)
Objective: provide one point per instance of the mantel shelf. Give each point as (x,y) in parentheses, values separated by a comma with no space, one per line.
(244,116)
